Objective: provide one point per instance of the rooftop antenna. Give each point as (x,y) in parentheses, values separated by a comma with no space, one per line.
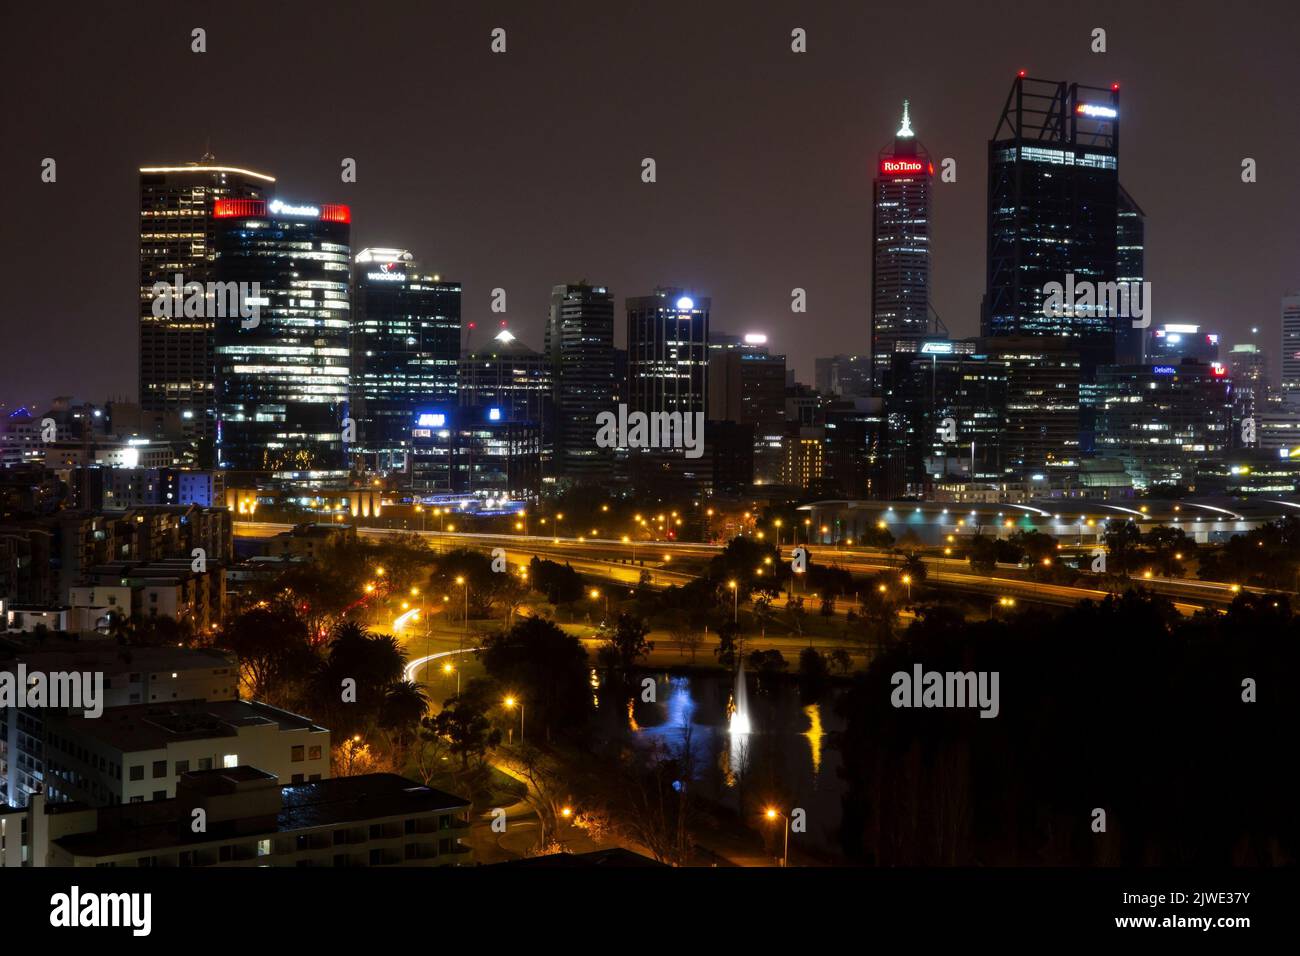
(905,131)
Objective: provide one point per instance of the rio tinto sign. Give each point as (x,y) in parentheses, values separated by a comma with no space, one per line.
(901,167)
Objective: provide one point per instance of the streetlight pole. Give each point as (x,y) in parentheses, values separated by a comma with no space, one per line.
(735,602)
(772,814)
(465,633)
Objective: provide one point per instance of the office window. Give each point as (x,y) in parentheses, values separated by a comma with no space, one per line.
(296,754)
(159,769)
(230,760)
(205,763)
(313,753)
(137,772)
(182,766)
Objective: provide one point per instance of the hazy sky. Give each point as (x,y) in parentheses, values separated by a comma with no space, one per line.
(522,170)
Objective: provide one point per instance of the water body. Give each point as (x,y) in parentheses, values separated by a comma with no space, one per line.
(753,743)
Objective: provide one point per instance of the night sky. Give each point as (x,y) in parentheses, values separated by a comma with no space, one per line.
(523,170)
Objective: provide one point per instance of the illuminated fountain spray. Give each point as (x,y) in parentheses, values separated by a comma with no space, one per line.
(739,709)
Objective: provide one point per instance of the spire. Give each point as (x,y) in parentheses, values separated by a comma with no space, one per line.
(905,131)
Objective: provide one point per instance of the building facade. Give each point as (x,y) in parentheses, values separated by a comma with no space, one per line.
(178,237)
(900,268)
(405,350)
(282,378)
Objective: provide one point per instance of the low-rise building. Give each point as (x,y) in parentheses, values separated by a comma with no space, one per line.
(249,819)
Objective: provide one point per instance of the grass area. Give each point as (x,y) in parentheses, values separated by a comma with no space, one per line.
(485,786)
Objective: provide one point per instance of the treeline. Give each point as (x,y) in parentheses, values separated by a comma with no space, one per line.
(1182,731)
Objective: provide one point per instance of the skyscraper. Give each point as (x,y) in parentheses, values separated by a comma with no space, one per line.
(747,387)
(667,351)
(177,232)
(507,375)
(282,382)
(1291,346)
(1053,212)
(405,346)
(580,347)
(667,371)
(1130,259)
(900,229)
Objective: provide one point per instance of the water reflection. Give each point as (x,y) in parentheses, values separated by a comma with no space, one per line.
(747,746)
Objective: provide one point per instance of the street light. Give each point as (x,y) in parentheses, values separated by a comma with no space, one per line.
(735,602)
(447,669)
(595,596)
(510,705)
(772,814)
(461,579)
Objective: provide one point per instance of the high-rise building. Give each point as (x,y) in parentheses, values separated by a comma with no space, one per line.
(1248,370)
(1174,341)
(667,371)
(843,376)
(1161,420)
(747,386)
(1291,344)
(1053,213)
(580,348)
(507,375)
(282,376)
(900,229)
(1130,258)
(1042,437)
(177,237)
(405,346)
(667,351)
(948,413)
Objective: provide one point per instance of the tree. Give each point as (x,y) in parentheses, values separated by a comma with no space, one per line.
(814,674)
(1122,537)
(727,647)
(841,660)
(548,791)
(548,668)
(404,705)
(430,748)
(463,722)
(626,644)
(273,647)
(794,615)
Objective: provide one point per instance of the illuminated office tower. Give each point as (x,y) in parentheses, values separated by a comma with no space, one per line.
(900,229)
(282,380)
(580,348)
(1291,346)
(405,347)
(1053,212)
(667,351)
(177,233)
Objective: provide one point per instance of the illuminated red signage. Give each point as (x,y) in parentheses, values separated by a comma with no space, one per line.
(238,208)
(901,167)
(332,212)
(246,208)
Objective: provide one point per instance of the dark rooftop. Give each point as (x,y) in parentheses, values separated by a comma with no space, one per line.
(164,824)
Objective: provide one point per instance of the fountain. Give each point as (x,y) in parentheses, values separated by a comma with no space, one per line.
(738,710)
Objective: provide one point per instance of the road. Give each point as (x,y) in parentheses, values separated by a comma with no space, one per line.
(623,562)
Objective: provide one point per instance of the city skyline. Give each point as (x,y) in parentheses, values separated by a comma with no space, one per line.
(792,156)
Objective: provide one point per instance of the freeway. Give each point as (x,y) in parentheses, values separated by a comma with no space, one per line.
(618,561)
